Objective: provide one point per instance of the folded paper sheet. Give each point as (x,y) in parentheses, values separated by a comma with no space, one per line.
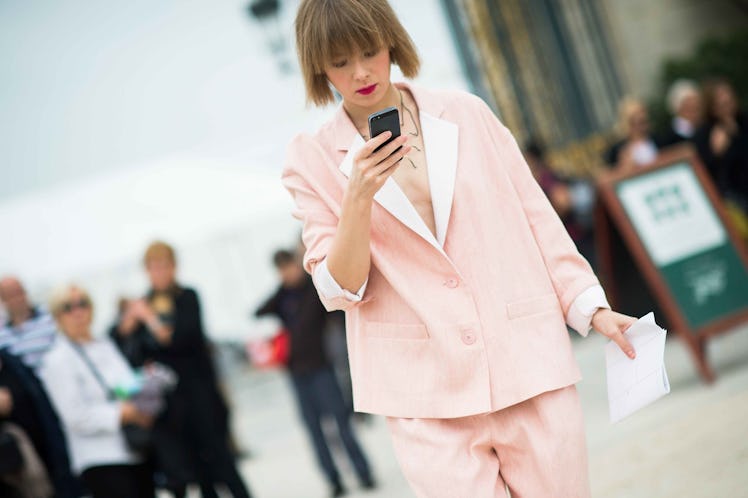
(634,384)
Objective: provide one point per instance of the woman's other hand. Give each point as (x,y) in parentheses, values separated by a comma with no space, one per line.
(129,321)
(613,325)
(129,414)
(719,140)
(6,402)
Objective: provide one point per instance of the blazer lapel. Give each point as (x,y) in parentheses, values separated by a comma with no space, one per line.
(392,198)
(440,141)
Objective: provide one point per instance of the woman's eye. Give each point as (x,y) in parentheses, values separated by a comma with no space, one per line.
(338,64)
(370,53)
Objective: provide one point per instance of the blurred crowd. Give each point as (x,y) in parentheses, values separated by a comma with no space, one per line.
(143,408)
(114,416)
(707,117)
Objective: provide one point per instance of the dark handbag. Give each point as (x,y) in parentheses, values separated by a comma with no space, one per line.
(138,438)
(11,460)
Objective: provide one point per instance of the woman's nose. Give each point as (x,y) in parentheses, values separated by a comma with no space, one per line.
(359,70)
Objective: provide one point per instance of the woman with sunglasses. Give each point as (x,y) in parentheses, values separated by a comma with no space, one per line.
(80,372)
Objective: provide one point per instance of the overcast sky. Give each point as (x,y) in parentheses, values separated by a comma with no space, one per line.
(89,86)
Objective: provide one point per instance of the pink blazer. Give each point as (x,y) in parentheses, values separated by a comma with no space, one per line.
(469,321)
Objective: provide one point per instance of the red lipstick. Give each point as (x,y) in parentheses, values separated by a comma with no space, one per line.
(367,90)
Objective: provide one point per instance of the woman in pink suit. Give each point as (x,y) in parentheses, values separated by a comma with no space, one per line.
(456,275)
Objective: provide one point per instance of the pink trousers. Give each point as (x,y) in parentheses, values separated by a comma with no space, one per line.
(536,449)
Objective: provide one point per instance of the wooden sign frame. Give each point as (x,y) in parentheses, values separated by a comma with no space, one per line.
(694,338)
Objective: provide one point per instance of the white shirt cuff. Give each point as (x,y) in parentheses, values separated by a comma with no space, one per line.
(584,306)
(330,289)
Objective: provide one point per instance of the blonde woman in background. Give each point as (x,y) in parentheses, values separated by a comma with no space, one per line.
(638,146)
(79,373)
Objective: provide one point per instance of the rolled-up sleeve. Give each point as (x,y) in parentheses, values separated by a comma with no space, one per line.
(584,307)
(328,287)
(314,207)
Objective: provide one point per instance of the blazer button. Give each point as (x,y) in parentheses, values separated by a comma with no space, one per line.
(451,283)
(468,337)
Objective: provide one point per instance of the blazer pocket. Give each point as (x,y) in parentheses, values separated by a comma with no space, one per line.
(400,331)
(527,307)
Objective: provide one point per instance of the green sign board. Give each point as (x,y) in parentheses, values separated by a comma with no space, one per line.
(687,242)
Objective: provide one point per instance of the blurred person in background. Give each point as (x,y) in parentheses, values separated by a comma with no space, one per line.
(637,146)
(135,342)
(337,348)
(317,391)
(30,331)
(722,143)
(684,103)
(166,326)
(80,373)
(573,200)
(24,403)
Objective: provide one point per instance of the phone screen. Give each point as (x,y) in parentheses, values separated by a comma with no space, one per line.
(386,119)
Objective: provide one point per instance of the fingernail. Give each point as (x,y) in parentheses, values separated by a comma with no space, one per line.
(632,355)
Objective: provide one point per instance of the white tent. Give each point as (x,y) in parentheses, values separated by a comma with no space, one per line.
(225,221)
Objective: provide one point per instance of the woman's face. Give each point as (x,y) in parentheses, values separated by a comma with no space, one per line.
(75,316)
(690,108)
(161,273)
(638,122)
(725,103)
(362,77)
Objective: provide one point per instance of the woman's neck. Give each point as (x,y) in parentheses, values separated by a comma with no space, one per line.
(360,115)
(81,337)
(638,137)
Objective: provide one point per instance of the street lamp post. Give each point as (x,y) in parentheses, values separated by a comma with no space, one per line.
(267,14)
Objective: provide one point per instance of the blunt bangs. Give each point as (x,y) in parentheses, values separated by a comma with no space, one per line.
(327,29)
(342,33)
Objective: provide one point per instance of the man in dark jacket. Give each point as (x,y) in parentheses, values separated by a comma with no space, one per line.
(317,391)
(31,410)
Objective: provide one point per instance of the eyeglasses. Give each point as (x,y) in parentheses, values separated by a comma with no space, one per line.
(70,306)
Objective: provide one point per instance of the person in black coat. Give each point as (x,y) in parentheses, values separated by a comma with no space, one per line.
(723,142)
(684,104)
(317,391)
(192,436)
(33,412)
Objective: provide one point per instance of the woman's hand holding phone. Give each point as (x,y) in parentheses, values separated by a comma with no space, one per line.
(371,169)
(349,257)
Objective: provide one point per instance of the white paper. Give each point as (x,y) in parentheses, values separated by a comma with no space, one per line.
(634,384)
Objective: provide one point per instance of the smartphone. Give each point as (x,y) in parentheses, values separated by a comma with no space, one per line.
(384,120)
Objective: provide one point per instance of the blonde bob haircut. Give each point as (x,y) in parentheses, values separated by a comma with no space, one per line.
(159,250)
(626,109)
(61,295)
(326,29)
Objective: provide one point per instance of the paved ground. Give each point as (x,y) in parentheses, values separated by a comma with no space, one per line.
(691,444)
